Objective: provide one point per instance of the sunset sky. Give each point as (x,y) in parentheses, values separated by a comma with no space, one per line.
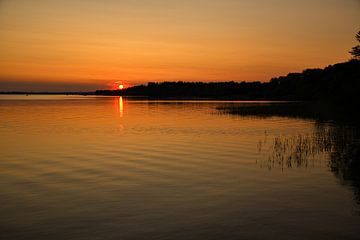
(56,45)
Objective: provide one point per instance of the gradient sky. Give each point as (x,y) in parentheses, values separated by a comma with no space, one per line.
(87,44)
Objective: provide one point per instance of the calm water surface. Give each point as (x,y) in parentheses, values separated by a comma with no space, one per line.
(74,167)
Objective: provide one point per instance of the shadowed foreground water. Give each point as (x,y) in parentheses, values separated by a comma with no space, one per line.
(111,168)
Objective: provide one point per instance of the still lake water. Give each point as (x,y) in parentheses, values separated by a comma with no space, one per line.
(74,167)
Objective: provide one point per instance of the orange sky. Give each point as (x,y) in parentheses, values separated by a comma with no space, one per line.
(49,44)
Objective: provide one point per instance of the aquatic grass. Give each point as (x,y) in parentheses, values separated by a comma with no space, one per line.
(340,144)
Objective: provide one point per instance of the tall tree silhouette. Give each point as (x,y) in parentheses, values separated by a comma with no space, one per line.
(356,50)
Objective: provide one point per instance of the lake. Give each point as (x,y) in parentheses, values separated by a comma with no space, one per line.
(87,167)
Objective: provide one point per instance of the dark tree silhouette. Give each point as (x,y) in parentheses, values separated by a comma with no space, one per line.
(339,82)
(356,50)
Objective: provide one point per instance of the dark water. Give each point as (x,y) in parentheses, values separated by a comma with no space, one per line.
(112,168)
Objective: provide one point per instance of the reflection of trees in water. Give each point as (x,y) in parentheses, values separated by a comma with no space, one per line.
(303,110)
(345,157)
(339,145)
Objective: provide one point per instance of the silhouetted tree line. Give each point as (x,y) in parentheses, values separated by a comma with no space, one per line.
(337,82)
(193,90)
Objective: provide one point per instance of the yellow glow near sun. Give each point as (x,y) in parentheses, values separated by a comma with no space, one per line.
(121,86)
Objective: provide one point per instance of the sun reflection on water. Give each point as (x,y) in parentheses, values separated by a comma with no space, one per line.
(121,106)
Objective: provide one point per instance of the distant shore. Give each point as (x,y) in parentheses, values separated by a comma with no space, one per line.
(46,93)
(339,82)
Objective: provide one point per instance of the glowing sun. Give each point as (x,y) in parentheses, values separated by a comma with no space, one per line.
(121,86)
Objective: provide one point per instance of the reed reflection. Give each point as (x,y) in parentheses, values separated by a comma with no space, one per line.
(339,146)
(340,143)
(335,140)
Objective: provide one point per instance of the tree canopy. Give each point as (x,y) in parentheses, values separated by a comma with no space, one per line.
(356,50)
